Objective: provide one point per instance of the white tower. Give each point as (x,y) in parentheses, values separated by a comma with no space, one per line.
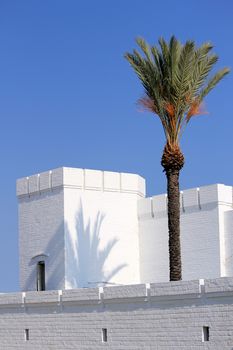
(78,228)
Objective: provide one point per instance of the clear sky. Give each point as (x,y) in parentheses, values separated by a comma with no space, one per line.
(68,97)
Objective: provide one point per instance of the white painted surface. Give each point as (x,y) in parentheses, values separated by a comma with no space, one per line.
(85,221)
(91,226)
(101,238)
(167,316)
(206,234)
(97,229)
(41,237)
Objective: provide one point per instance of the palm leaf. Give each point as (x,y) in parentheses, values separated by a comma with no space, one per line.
(175,79)
(213,82)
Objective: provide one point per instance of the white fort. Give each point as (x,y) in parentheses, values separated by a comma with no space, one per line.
(90,228)
(94,267)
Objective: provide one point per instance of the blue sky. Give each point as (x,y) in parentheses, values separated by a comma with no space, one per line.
(68,97)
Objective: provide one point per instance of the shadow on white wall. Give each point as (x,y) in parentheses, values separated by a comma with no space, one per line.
(85,259)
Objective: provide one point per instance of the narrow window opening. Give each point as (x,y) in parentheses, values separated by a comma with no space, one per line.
(26,334)
(41,275)
(104,335)
(198,198)
(205,333)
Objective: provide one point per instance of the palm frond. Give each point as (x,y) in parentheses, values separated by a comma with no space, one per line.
(175,80)
(145,48)
(213,82)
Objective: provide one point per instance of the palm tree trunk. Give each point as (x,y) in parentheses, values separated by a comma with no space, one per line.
(173,194)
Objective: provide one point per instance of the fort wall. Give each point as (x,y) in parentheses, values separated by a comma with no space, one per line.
(173,315)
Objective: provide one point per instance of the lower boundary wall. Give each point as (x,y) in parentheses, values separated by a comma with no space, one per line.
(176,315)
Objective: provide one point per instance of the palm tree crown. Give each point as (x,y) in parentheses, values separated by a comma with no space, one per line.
(175,79)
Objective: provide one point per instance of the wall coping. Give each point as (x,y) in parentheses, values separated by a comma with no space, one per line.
(193,199)
(82,179)
(209,288)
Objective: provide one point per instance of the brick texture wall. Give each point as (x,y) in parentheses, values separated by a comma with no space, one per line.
(140,317)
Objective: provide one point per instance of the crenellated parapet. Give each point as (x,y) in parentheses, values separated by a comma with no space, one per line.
(193,199)
(83,179)
(212,288)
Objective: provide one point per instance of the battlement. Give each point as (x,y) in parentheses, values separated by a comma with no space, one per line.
(211,288)
(192,199)
(83,179)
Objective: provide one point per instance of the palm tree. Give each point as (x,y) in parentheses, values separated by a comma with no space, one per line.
(176,79)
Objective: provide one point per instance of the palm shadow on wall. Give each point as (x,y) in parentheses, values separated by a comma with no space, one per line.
(85,259)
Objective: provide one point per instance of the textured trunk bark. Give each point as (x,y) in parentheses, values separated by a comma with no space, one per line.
(173,195)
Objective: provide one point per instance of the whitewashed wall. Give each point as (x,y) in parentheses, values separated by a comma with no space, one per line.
(206,234)
(101,227)
(96,228)
(167,316)
(85,221)
(41,230)
(228,228)
(225,207)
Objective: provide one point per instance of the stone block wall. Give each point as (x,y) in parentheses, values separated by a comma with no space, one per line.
(171,316)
